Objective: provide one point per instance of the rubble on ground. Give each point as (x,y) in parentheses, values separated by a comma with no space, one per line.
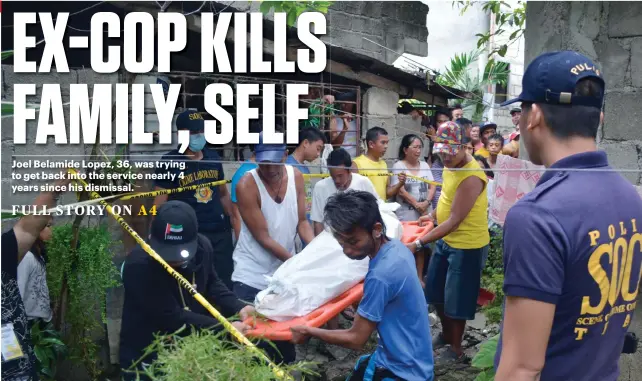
(334,363)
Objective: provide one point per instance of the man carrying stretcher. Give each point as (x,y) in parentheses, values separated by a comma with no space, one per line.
(393,302)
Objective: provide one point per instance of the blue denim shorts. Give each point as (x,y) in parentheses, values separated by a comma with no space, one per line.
(453,279)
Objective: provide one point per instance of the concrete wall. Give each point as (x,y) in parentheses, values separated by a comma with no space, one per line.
(400,26)
(449,33)
(515,58)
(454,33)
(611,34)
(380,110)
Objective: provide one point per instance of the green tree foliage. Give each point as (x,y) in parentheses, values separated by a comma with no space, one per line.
(89,272)
(493,277)
(295,8)
(48,348)
(484,359)
(205,355)
(507,18)
(463,75)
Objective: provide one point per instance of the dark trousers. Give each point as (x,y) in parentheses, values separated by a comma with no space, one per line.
(366,370)
(223,249)
(284,351)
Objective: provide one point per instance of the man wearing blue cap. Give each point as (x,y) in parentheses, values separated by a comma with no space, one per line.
(572,251)
(271,200)
(212,204)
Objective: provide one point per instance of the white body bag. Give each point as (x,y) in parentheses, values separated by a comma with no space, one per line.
(318,274)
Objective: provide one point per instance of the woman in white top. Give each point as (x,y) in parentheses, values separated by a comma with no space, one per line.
(415,196)
(32,279)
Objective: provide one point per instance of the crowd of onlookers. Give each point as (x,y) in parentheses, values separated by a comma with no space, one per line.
(250,230)
(227,244)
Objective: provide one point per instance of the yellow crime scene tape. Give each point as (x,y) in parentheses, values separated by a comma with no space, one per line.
(172,191)
(322,175)
(132,196)
(279,373)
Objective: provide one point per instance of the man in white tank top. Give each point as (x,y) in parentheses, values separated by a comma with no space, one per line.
(271,201)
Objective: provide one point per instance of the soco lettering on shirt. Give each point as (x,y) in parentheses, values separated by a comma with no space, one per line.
(618,291)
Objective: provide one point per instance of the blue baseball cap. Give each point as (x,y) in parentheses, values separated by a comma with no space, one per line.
(190,120)
(551,78)
(269,152)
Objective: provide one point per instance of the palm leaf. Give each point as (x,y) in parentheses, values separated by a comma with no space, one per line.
(7,54)
(496,73)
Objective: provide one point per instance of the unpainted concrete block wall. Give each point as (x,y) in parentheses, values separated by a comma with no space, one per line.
(611,34)
(396,25)
(380,110)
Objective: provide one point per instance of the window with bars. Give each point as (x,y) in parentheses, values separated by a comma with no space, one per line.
(319,112)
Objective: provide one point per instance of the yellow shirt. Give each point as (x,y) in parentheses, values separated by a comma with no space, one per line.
(472,233)
(483,152)
(374,167)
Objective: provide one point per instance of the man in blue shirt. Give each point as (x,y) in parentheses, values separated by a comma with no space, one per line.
(212,205)
(393,301)
(573,245)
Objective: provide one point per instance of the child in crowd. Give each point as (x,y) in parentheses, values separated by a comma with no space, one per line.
(494,146)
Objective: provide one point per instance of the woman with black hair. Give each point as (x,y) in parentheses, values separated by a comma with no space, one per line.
(32,280)
(414,197)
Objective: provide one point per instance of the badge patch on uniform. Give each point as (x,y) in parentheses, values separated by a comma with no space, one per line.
(203,195)
(11,349)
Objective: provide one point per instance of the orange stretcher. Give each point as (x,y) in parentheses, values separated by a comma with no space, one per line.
(280,331)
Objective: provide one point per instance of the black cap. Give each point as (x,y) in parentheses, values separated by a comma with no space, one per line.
(190,120)
(515,110)
(174,232)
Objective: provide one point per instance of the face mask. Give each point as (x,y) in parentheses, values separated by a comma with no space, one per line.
(197,142)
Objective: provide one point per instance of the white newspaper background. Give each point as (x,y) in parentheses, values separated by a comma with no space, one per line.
(512,185)
(318,274)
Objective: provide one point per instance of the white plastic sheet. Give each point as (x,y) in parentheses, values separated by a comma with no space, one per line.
(317,274)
